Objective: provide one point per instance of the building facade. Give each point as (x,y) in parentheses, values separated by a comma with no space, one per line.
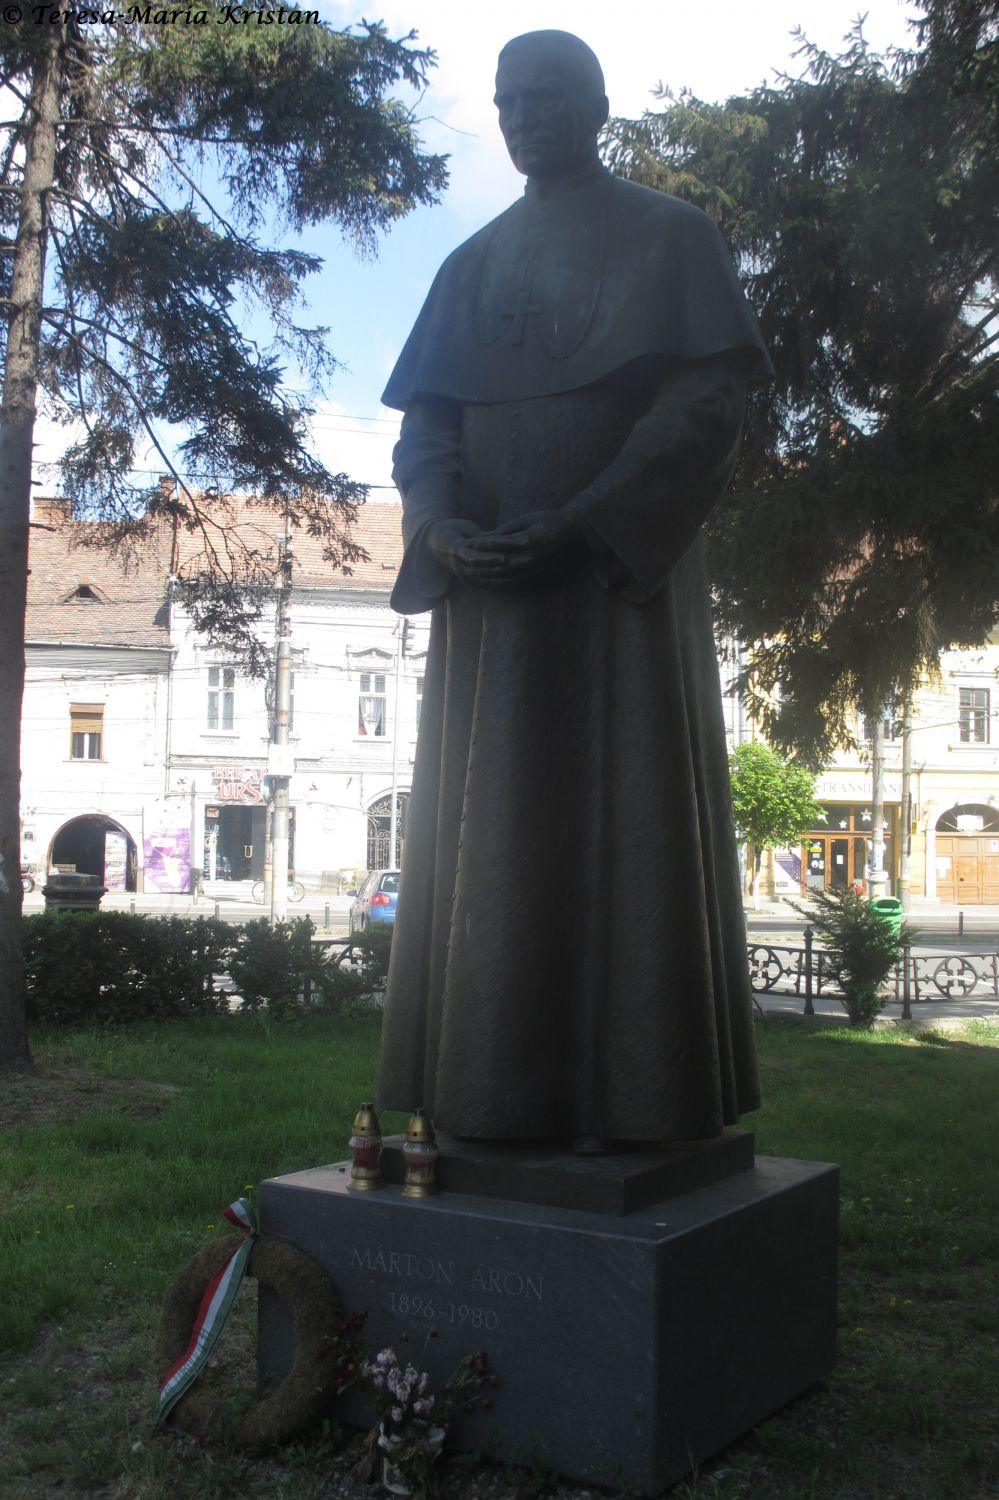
(145,751)
(137,734)
(96,706)
(951,822)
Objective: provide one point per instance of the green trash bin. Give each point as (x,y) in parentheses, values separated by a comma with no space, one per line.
(889,909)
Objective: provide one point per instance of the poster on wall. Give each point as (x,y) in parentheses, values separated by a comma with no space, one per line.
(168,860)
(115,861)
(787,872)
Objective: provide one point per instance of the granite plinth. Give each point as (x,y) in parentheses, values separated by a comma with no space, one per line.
(619,1183)
(628,1347)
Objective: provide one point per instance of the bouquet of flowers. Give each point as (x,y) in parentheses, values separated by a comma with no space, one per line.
(413,1419)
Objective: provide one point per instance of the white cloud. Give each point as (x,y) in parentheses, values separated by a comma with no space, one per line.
(357,447)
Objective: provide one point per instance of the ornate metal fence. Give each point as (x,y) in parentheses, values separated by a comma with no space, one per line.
(806,971)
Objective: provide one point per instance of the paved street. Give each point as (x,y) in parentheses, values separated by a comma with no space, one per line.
(230,900)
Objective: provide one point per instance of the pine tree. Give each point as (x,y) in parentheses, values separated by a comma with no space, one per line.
(144,161)
(861,536)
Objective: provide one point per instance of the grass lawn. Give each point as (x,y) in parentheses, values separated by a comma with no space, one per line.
(117,1158)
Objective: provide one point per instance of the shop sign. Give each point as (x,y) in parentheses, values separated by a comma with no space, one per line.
(239,783)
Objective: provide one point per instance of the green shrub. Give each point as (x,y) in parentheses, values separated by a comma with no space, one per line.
(861,948)
(111,968)
(350,977)
(269,965)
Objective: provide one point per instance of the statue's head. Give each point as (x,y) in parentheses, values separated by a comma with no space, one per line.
(551,102)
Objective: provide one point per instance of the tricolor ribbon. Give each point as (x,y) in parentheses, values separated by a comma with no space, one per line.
(219,1296)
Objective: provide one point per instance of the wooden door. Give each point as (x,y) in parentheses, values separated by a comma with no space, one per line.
(968,869)
(946,874)
(968,873)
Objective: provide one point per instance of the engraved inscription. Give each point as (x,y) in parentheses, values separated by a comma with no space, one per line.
(401,1263)
(464,1307)
(508,1283)
(433,1310)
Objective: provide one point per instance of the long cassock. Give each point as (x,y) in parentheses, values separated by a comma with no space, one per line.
(569,955)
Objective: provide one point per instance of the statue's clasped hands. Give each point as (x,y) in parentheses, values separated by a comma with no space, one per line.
(526,550)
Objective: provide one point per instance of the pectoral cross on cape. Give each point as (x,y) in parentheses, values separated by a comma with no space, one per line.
(541,279)
(518,318)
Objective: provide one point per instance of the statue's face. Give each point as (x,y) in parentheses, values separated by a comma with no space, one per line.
(548,118)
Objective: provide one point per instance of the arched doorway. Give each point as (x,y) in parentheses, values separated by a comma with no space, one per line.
(379,831)
(96,845)
(967,854)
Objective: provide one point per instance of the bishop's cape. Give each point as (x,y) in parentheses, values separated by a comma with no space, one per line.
(569,956)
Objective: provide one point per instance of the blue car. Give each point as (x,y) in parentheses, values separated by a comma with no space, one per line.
(375,901)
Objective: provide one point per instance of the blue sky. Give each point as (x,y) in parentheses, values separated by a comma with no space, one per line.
(716,48)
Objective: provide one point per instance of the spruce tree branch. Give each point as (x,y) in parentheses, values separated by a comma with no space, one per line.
(181,132)
(83,207)
(77,371)
(143,185)
(105,327)
(204,523)
(180,170)
(72,202)
(88,352)
(945,374)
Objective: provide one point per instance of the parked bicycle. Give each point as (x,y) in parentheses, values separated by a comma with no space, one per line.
(261,891)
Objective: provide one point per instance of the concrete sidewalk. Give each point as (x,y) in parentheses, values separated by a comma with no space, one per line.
(939,1012)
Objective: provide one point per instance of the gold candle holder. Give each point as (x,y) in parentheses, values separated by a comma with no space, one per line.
(420,1153)
(366,1149)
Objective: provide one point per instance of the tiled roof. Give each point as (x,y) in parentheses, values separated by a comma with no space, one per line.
(378,530)
(130,609)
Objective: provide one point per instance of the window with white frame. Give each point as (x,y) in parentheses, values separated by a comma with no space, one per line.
(891,724)
(973,715)
(86,731)
(221,697)
(371,708)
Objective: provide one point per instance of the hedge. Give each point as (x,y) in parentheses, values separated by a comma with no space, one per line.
(112,968)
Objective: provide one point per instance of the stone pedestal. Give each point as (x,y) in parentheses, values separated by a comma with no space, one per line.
(66,891)
(628,1346)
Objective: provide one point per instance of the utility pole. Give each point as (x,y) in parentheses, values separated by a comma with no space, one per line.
(279,757)
(905,831)
(876,874)
(400,635)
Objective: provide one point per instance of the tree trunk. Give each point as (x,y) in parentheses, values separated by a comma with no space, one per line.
(757,862)
(16,433)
